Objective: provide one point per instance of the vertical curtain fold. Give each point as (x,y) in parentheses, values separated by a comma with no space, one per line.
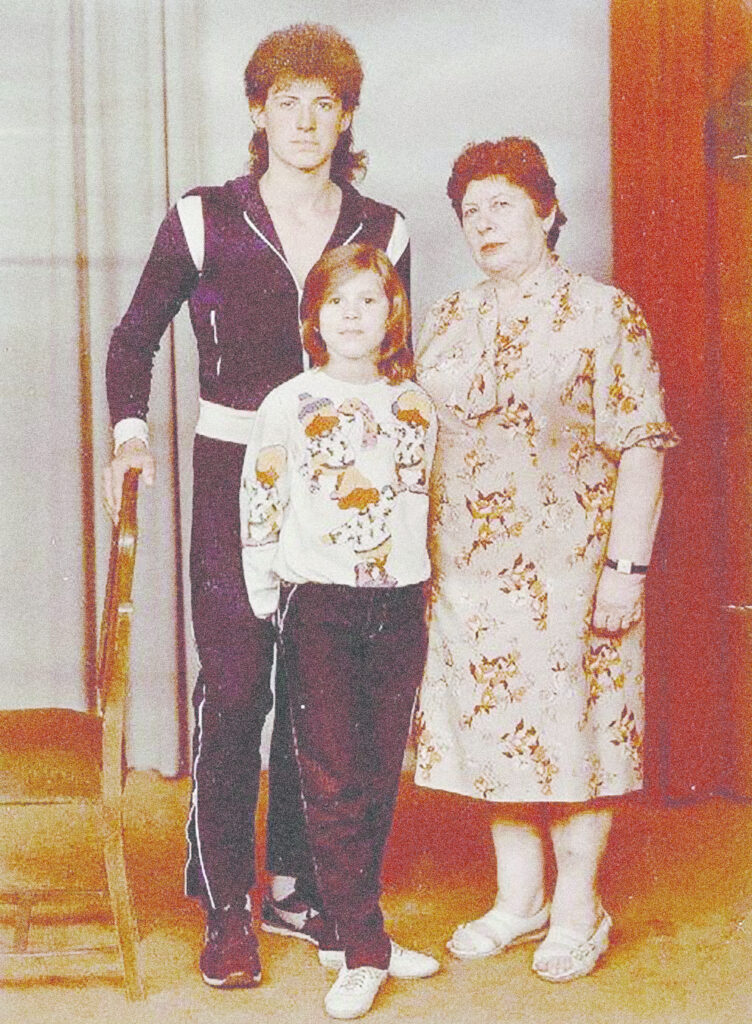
(128,192)
(668,253)
(181,673)
(88,169)
(86,448)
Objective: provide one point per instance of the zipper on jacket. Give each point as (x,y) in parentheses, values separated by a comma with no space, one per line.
(281,256)
(277,253)
(213,322)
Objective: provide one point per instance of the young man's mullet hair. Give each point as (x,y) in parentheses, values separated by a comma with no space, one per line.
(307,52)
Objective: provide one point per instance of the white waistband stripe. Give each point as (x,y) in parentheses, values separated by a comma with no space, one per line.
(223,423)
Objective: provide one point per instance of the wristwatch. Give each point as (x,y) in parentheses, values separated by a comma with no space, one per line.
(623,565)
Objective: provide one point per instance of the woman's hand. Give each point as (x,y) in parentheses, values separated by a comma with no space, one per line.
(618,601)
(132,454)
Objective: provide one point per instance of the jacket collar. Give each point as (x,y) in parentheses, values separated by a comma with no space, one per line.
(351,214)
(351,217)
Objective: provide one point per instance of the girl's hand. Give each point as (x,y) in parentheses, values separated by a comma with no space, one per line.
(618,601)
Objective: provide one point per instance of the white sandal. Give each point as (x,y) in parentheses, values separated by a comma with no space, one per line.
(583,954)
(496,931)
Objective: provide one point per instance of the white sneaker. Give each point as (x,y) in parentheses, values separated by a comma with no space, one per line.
(403,963)
(354,991)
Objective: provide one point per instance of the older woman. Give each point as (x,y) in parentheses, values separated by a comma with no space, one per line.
(547,493)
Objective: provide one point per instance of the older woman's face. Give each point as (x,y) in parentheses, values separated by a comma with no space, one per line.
(506,235)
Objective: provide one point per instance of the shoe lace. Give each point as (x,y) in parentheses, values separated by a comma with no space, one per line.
(229,924)
(357,978)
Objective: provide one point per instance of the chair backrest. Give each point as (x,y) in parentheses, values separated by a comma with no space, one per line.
(114,634)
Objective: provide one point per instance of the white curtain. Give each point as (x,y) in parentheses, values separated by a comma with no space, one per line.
(113,108)
(90,97)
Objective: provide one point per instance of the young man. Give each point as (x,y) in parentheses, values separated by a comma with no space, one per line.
(239,255)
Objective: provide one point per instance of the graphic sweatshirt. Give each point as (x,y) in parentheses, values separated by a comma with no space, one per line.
(335,486)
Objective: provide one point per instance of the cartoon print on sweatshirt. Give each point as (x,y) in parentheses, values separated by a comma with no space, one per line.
(265,501)
(367,532)
(328,432)
(413,413)
(354,407)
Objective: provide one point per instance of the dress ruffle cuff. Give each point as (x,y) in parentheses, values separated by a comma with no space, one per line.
(658,435)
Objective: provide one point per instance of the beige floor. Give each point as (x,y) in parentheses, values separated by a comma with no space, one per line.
(677,881)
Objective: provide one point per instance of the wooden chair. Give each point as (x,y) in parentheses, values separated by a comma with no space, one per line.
(54,756)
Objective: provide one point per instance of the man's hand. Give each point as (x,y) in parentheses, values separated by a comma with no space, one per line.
(132,454)
(618,601)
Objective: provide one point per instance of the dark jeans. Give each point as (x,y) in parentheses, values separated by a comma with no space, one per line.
(354,658)
(231,700)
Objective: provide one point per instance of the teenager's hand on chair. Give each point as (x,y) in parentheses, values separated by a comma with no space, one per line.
(133,454)
(618,601)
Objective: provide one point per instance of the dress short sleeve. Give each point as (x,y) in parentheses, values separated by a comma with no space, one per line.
(627,394)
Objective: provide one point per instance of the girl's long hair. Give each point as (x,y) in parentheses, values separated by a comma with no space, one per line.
(395,360)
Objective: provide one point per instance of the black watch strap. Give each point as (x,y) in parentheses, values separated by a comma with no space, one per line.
(623,565)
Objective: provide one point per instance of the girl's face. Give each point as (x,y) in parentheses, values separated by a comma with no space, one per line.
(352,323)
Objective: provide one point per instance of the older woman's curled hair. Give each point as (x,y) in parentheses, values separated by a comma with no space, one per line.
(521,162)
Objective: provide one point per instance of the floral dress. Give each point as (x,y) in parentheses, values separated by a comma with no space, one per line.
(520,700)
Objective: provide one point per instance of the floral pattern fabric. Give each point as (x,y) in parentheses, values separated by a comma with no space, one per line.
(520,700)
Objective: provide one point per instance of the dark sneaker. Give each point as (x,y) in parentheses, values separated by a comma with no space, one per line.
(292,916)
(230,957)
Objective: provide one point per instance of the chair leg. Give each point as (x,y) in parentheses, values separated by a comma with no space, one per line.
(122,910)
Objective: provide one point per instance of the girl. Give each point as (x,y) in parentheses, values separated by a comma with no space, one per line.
(334,505)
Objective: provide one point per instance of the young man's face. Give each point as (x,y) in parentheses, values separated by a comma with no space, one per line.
(303,121)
